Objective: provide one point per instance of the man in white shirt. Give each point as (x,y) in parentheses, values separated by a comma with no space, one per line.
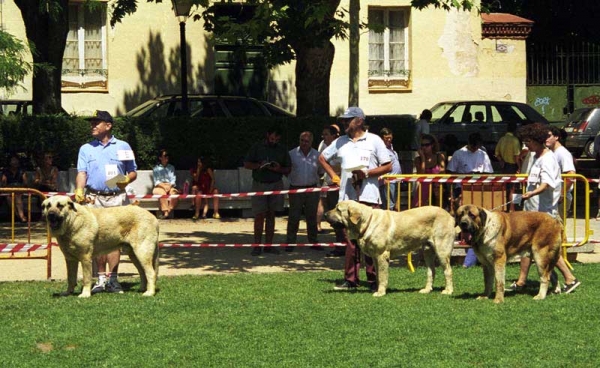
(364,157)
(567,166)
(304,174)
(468,160)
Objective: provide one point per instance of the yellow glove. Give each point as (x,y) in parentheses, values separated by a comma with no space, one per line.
(123,184)
(335,180)
(79,196)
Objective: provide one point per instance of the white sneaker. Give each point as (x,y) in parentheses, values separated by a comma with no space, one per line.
(99,287)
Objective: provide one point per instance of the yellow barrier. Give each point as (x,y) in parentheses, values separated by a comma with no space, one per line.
(10,194)
(489,191)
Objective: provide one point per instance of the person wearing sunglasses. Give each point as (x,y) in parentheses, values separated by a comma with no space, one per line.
(429,161)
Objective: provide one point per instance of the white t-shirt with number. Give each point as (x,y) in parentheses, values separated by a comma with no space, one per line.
(370,152)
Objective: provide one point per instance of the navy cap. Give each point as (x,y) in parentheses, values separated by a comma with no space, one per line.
(101,116)
(353,112)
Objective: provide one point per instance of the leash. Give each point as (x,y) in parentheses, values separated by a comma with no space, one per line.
(517,200)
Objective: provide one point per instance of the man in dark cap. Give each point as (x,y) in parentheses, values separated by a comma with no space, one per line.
(104,168)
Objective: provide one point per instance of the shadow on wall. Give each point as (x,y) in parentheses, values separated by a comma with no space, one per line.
(282,94)
(158,76)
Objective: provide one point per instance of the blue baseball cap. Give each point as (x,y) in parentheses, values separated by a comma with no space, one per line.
(353,112)
(100,115)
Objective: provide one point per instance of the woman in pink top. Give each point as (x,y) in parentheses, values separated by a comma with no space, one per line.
(428,161)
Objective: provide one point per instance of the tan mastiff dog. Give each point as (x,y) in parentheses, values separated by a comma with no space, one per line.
(383,234)
(496,236)
(84,232)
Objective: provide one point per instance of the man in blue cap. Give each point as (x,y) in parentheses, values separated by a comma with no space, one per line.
(99,161)
(364,157)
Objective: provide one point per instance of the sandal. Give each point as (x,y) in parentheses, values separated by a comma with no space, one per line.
(195,218)
(216,216)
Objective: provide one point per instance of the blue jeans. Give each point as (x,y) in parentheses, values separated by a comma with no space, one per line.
(393,195)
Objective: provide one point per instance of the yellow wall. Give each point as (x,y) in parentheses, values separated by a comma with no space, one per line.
(448,61)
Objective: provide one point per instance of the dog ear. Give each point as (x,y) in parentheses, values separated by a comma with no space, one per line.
(353,215)
(72,205)
(482,216)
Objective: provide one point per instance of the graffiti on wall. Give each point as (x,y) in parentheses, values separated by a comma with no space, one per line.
(591,100)
(542,102)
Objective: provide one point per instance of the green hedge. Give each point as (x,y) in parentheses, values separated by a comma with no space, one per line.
(224,141)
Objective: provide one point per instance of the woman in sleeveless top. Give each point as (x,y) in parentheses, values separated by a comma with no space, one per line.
(429,161)
(203,182)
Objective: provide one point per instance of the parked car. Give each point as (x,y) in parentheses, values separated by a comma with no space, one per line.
(454,121)
(206,106)
(582,126)
(12,107)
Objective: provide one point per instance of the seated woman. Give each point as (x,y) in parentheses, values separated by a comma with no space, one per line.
(164,184)
(14,176)
(203,182)
(46,175)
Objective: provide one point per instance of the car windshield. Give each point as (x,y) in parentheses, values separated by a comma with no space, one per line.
(141,109)
(440,110)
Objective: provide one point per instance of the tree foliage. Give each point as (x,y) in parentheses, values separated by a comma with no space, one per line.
(13,67)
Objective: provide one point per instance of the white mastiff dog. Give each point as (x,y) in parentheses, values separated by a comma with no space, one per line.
(84,232)
(383,234)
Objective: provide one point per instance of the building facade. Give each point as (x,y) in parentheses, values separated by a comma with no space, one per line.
(418,58)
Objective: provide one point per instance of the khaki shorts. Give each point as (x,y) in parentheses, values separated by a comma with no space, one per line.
(116,200)
(267,203)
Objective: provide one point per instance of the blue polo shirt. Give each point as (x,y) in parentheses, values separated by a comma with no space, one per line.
(103,162)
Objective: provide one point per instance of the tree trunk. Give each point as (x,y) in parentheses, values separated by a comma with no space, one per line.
(313,71)
(46,29)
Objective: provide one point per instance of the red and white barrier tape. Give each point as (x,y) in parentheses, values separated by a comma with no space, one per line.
(27,247)
(246,245)
(221,195)
(478,179)
(22,247)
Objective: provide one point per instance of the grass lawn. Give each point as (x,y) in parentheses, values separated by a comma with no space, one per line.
(296,320)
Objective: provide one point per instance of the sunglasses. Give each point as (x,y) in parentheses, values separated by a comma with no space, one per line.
(426,144)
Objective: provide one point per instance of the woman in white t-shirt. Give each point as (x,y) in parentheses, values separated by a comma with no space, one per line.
(544,186)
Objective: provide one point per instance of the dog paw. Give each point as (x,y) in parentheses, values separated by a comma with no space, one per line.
(378,294)
(498,301)
(425,291)
(482,297)
(85,295)
(447,292)
(539,297)
(148,293)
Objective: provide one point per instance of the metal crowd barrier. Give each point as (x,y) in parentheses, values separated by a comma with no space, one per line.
(494,192)
(21,249)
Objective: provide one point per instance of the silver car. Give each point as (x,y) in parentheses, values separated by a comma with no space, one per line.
(582,126)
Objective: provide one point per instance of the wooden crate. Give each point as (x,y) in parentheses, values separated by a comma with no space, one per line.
(488,196)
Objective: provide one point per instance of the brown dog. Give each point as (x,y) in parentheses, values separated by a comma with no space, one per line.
(496,236)
(383,234)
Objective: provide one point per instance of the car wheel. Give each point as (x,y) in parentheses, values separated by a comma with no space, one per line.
(589,149)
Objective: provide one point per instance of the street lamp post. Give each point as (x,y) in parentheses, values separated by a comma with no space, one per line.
(182,12)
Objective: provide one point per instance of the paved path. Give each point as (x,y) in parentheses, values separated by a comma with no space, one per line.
(181,261)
